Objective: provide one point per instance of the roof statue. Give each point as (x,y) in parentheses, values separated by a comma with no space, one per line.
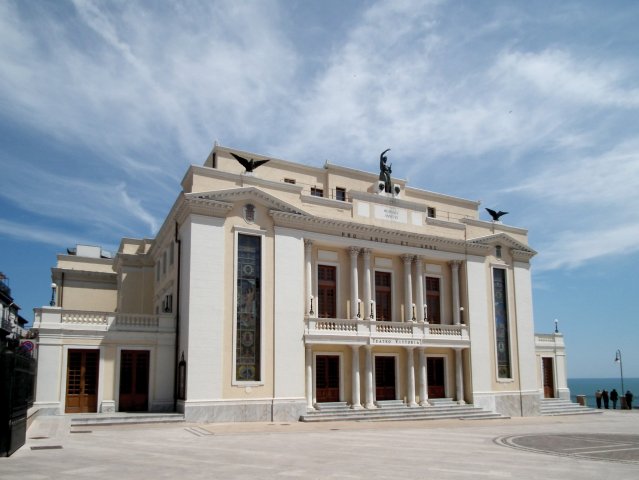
(496,215)
(385,171)
(249,165)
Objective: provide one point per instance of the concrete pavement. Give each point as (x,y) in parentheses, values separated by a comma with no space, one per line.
(446,449)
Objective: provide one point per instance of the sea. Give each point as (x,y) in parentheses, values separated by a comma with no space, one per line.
(588,387)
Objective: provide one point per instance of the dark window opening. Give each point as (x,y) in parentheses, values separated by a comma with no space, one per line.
(317,192)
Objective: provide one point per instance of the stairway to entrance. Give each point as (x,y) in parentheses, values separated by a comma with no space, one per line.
(397,410)
(558,406)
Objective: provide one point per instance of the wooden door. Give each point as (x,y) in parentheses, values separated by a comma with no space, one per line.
(549,378)
(385,378)
(134,381)
(82,381)
(327,378)
(436,377)
(383,307)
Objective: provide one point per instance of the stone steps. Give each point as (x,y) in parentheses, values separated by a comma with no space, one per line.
(84,419)
(557,406)
(396,410)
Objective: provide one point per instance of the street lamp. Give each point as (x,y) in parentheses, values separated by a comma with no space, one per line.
(618,360)
(52,302)
(556,326)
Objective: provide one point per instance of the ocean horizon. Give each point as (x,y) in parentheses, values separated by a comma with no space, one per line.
(588,387)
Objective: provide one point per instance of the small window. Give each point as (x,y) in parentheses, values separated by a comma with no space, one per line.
(164,263)
(289,180)
(340,194)
(431,212)
(157,271)
(498,251)
(171,248)
(317,192)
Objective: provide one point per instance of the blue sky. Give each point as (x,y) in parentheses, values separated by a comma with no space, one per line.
(531,107)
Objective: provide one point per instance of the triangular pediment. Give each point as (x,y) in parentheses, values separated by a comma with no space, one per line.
(504,239)
(247,193)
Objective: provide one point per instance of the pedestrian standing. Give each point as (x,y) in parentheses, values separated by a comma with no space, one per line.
(614,396)
(605,398)
(598,398)
(629,397)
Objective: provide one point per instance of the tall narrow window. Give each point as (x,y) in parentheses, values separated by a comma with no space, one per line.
(248,335)
(383,296)
(501,323)
(433,300)
(326,291)
(340,194)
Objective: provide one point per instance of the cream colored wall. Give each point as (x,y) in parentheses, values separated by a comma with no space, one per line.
(263,221)
(89,296)
(71,262)
(136,290)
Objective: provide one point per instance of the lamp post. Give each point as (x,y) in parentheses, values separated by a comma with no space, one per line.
(556,326)
(52,302)
(618,360)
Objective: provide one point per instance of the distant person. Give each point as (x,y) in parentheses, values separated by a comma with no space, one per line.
(614,396)
(598,398)
(629,397)
(605,398)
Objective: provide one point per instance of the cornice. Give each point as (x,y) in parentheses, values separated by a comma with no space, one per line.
(444,223)
(375,233)
(327,202)
(85,275)
(494,225)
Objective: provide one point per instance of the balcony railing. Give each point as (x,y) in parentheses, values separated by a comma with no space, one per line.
(55,318)
(549,340)
(336,330)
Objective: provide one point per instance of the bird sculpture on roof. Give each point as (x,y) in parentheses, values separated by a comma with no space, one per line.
(249,165)
(496,215)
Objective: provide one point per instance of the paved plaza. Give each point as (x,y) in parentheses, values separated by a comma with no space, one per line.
(565,447)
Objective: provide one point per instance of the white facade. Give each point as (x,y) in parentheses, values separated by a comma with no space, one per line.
(266,294)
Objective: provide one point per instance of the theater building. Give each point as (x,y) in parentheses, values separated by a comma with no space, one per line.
(268,293)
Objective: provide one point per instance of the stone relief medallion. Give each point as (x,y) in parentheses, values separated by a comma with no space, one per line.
(249,213)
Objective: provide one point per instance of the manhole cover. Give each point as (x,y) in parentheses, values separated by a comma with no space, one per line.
(608,447)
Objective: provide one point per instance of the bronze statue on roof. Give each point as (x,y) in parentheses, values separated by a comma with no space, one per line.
(385,172)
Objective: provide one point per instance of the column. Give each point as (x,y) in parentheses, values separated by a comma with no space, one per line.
(354,252)
(454,267)
(459,377)
(309,378)
(308,246)
(423,379)
(419,288)
(369,377)
(366,254)
(408,288)
(410,378)
(356,403)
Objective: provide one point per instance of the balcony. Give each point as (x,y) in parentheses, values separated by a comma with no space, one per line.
(74,320)
(371,332)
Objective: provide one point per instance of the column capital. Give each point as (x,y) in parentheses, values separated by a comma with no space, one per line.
(407,258)
(455,264)
(366,252)
(354,251)
(308,243)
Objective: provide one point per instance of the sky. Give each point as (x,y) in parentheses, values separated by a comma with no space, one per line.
(530,107)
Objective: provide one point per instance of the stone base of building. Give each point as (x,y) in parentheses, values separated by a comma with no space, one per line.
(511,404)
(259,410)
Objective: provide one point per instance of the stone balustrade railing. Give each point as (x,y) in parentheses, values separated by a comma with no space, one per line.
(549,340)
(369,331)
(57,318)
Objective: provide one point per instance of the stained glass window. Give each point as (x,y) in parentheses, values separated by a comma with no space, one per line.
(248,335)
(501,323)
